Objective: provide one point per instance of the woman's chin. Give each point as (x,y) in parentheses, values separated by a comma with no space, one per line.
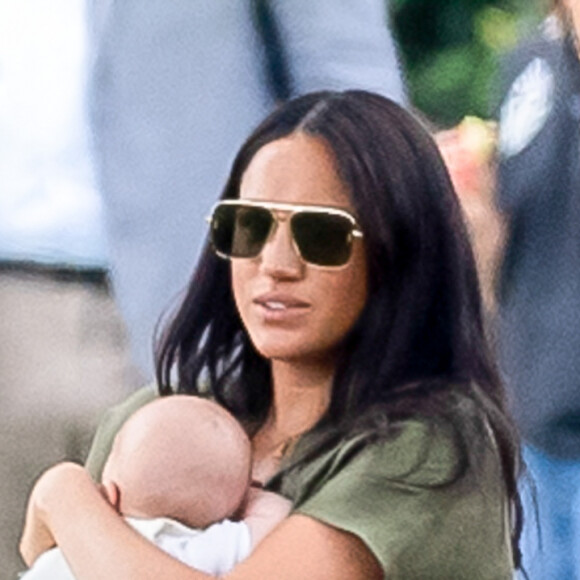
(290,352)
(281,352)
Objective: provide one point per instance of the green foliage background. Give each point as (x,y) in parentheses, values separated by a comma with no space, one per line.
(451,50)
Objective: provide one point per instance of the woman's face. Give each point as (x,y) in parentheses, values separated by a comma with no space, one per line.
(294,311)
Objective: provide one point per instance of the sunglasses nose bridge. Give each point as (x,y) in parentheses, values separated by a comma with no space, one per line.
(280,252)
(280,217)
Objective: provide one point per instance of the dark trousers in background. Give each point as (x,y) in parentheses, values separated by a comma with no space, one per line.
(63,361)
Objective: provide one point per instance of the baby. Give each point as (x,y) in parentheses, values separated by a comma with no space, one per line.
(179,472)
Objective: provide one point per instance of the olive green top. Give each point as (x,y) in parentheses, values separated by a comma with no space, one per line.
(407,498)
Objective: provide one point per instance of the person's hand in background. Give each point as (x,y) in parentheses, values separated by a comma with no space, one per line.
(469,154)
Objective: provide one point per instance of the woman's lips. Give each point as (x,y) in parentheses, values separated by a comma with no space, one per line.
(276,307)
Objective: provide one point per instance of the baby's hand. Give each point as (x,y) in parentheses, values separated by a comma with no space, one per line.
(264,511)
(266,503)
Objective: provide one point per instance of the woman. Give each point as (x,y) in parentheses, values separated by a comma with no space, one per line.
(345,332)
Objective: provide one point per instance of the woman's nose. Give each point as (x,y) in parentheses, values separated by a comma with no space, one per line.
(279,257)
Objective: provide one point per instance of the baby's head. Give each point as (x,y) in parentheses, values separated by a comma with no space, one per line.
(180,457)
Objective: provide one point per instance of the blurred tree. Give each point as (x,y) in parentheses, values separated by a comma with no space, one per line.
(451,48)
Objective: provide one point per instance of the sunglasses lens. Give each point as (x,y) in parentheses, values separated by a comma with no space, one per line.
(323,239)
(239,231)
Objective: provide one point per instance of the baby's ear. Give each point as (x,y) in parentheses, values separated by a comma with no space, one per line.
(110,492)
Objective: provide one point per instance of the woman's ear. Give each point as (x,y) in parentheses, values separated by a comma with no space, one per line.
(111,493)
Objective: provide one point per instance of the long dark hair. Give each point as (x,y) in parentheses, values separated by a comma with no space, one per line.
(420,340)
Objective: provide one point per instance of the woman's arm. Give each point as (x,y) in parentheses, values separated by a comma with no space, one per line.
(98,544)
(302,547)
(96,541)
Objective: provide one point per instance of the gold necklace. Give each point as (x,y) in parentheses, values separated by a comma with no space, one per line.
(281,448)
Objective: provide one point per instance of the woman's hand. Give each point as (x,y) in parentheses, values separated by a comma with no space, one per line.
(37,536)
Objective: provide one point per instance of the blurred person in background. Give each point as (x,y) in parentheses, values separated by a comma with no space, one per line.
(539,298)
(176,87)
(63,355)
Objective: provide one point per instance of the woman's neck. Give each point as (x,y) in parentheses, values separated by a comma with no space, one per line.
(301,395)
